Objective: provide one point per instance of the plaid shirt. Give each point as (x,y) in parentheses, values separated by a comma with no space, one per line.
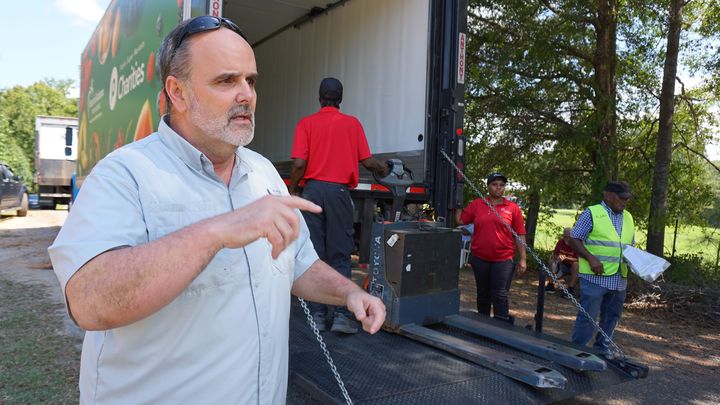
(582,229)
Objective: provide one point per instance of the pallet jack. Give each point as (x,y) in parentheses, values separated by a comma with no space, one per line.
(413,269)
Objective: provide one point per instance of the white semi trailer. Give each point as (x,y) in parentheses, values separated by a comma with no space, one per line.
(55,158)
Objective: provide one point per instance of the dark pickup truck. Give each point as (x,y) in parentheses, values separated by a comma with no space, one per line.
(13,195)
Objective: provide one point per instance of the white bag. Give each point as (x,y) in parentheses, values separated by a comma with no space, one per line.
(646,265)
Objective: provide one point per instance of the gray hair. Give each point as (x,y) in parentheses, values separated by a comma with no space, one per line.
(174,61)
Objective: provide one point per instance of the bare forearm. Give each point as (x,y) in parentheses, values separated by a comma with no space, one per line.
(296,174)
(595,265)
(520,244)
(123,286)
(458,216)
(321,283)
(375,166)
(579,248)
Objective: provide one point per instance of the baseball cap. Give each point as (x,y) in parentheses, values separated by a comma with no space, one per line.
(494,176)
(621,188)
(331,89)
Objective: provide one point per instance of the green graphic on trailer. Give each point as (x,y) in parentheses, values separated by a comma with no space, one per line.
(120,85)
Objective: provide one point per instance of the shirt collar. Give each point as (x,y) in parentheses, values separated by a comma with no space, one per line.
(608,209)
(191,155)
(241,163)
(329,109)
(503,202)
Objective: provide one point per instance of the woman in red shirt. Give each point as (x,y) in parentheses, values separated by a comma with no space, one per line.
(493,247)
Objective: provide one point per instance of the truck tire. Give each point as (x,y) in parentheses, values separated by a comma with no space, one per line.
(22,212)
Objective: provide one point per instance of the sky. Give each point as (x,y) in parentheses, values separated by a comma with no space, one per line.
(42,39)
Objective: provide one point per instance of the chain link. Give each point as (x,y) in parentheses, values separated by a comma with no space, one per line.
(329,359)
(614,348)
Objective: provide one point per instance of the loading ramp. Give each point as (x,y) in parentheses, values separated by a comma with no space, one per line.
(387,368)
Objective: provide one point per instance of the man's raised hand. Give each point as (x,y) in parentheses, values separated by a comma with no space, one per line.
(271,217)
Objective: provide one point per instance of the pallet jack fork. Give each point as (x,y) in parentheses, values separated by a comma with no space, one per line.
(413,269)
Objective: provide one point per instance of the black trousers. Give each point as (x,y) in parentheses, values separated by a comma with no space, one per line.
(492,280)
(331,231)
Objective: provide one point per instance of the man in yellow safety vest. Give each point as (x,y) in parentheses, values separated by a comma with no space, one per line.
(599,236)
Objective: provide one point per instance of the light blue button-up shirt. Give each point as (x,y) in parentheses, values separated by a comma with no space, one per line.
(224,340)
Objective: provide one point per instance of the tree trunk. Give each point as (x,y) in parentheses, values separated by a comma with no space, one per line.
(663,153)
(677,223)
(532,218)
(605,68)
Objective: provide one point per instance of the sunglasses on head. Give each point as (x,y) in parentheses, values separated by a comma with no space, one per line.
(205,23)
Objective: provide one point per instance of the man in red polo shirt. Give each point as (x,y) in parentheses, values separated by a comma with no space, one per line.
(326,149)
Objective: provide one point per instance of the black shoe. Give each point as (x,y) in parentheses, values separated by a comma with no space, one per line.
(319,319)
(509,320)
(343,324)
(550,289)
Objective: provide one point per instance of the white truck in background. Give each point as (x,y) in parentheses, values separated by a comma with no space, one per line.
(55,159)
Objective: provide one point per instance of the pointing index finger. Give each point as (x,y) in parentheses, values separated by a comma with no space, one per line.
(302,204)
(297,202)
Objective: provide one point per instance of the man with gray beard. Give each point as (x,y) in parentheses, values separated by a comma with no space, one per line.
(220,126)
(182,250)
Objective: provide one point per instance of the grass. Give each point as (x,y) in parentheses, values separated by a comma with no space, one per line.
(38,365)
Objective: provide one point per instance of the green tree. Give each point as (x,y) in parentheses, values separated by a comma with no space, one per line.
(18,108)
(664,133)
(12,154)
(563,95)
(663,150)
(689,193)
(541,102)
(707,53)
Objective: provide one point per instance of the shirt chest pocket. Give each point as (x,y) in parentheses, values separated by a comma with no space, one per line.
(285,263)
(223,269)
(163,219)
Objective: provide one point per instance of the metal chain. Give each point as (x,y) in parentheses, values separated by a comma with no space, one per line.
(319,338)
(613,346)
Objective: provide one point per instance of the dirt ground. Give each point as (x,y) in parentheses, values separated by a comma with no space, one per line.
(682,351)
(24,258)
